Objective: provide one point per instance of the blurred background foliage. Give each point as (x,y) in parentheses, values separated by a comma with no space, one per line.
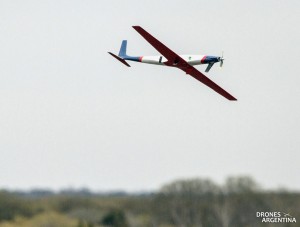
(182,203)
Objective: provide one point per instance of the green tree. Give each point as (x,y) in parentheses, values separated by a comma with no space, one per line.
(12,205)
(115,218)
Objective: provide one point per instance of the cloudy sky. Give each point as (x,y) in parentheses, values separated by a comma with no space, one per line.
(71,115)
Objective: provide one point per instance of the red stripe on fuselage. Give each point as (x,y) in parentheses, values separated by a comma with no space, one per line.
(203,59)
(140,59)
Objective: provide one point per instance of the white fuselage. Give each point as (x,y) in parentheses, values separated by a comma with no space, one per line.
(159,60)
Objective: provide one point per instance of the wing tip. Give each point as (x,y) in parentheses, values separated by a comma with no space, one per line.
(228,96)
(136,27)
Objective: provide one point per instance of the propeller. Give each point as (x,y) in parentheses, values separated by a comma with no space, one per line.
(221,59)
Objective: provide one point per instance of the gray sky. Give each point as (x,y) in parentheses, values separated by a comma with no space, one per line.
(71,115)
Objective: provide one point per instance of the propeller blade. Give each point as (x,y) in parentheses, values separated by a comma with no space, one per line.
(222,59)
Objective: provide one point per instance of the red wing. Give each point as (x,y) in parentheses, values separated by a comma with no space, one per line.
(199,76)
(175,60)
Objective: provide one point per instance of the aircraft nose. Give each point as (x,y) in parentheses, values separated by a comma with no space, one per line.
(211,59)
(215,59)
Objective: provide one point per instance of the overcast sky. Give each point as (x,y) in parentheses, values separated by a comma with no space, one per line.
(71,115)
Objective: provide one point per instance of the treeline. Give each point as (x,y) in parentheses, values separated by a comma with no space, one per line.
(182,203)
(82,192)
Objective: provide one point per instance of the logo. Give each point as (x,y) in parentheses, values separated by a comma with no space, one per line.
(275,217)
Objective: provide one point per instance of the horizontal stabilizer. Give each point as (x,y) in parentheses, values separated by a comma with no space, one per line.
(120,59)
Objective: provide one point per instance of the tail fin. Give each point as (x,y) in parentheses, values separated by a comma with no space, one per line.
(122,52)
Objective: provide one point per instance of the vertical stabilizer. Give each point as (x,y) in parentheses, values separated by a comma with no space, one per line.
(122,52)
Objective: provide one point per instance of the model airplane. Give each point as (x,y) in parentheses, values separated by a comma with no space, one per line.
(169,58)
